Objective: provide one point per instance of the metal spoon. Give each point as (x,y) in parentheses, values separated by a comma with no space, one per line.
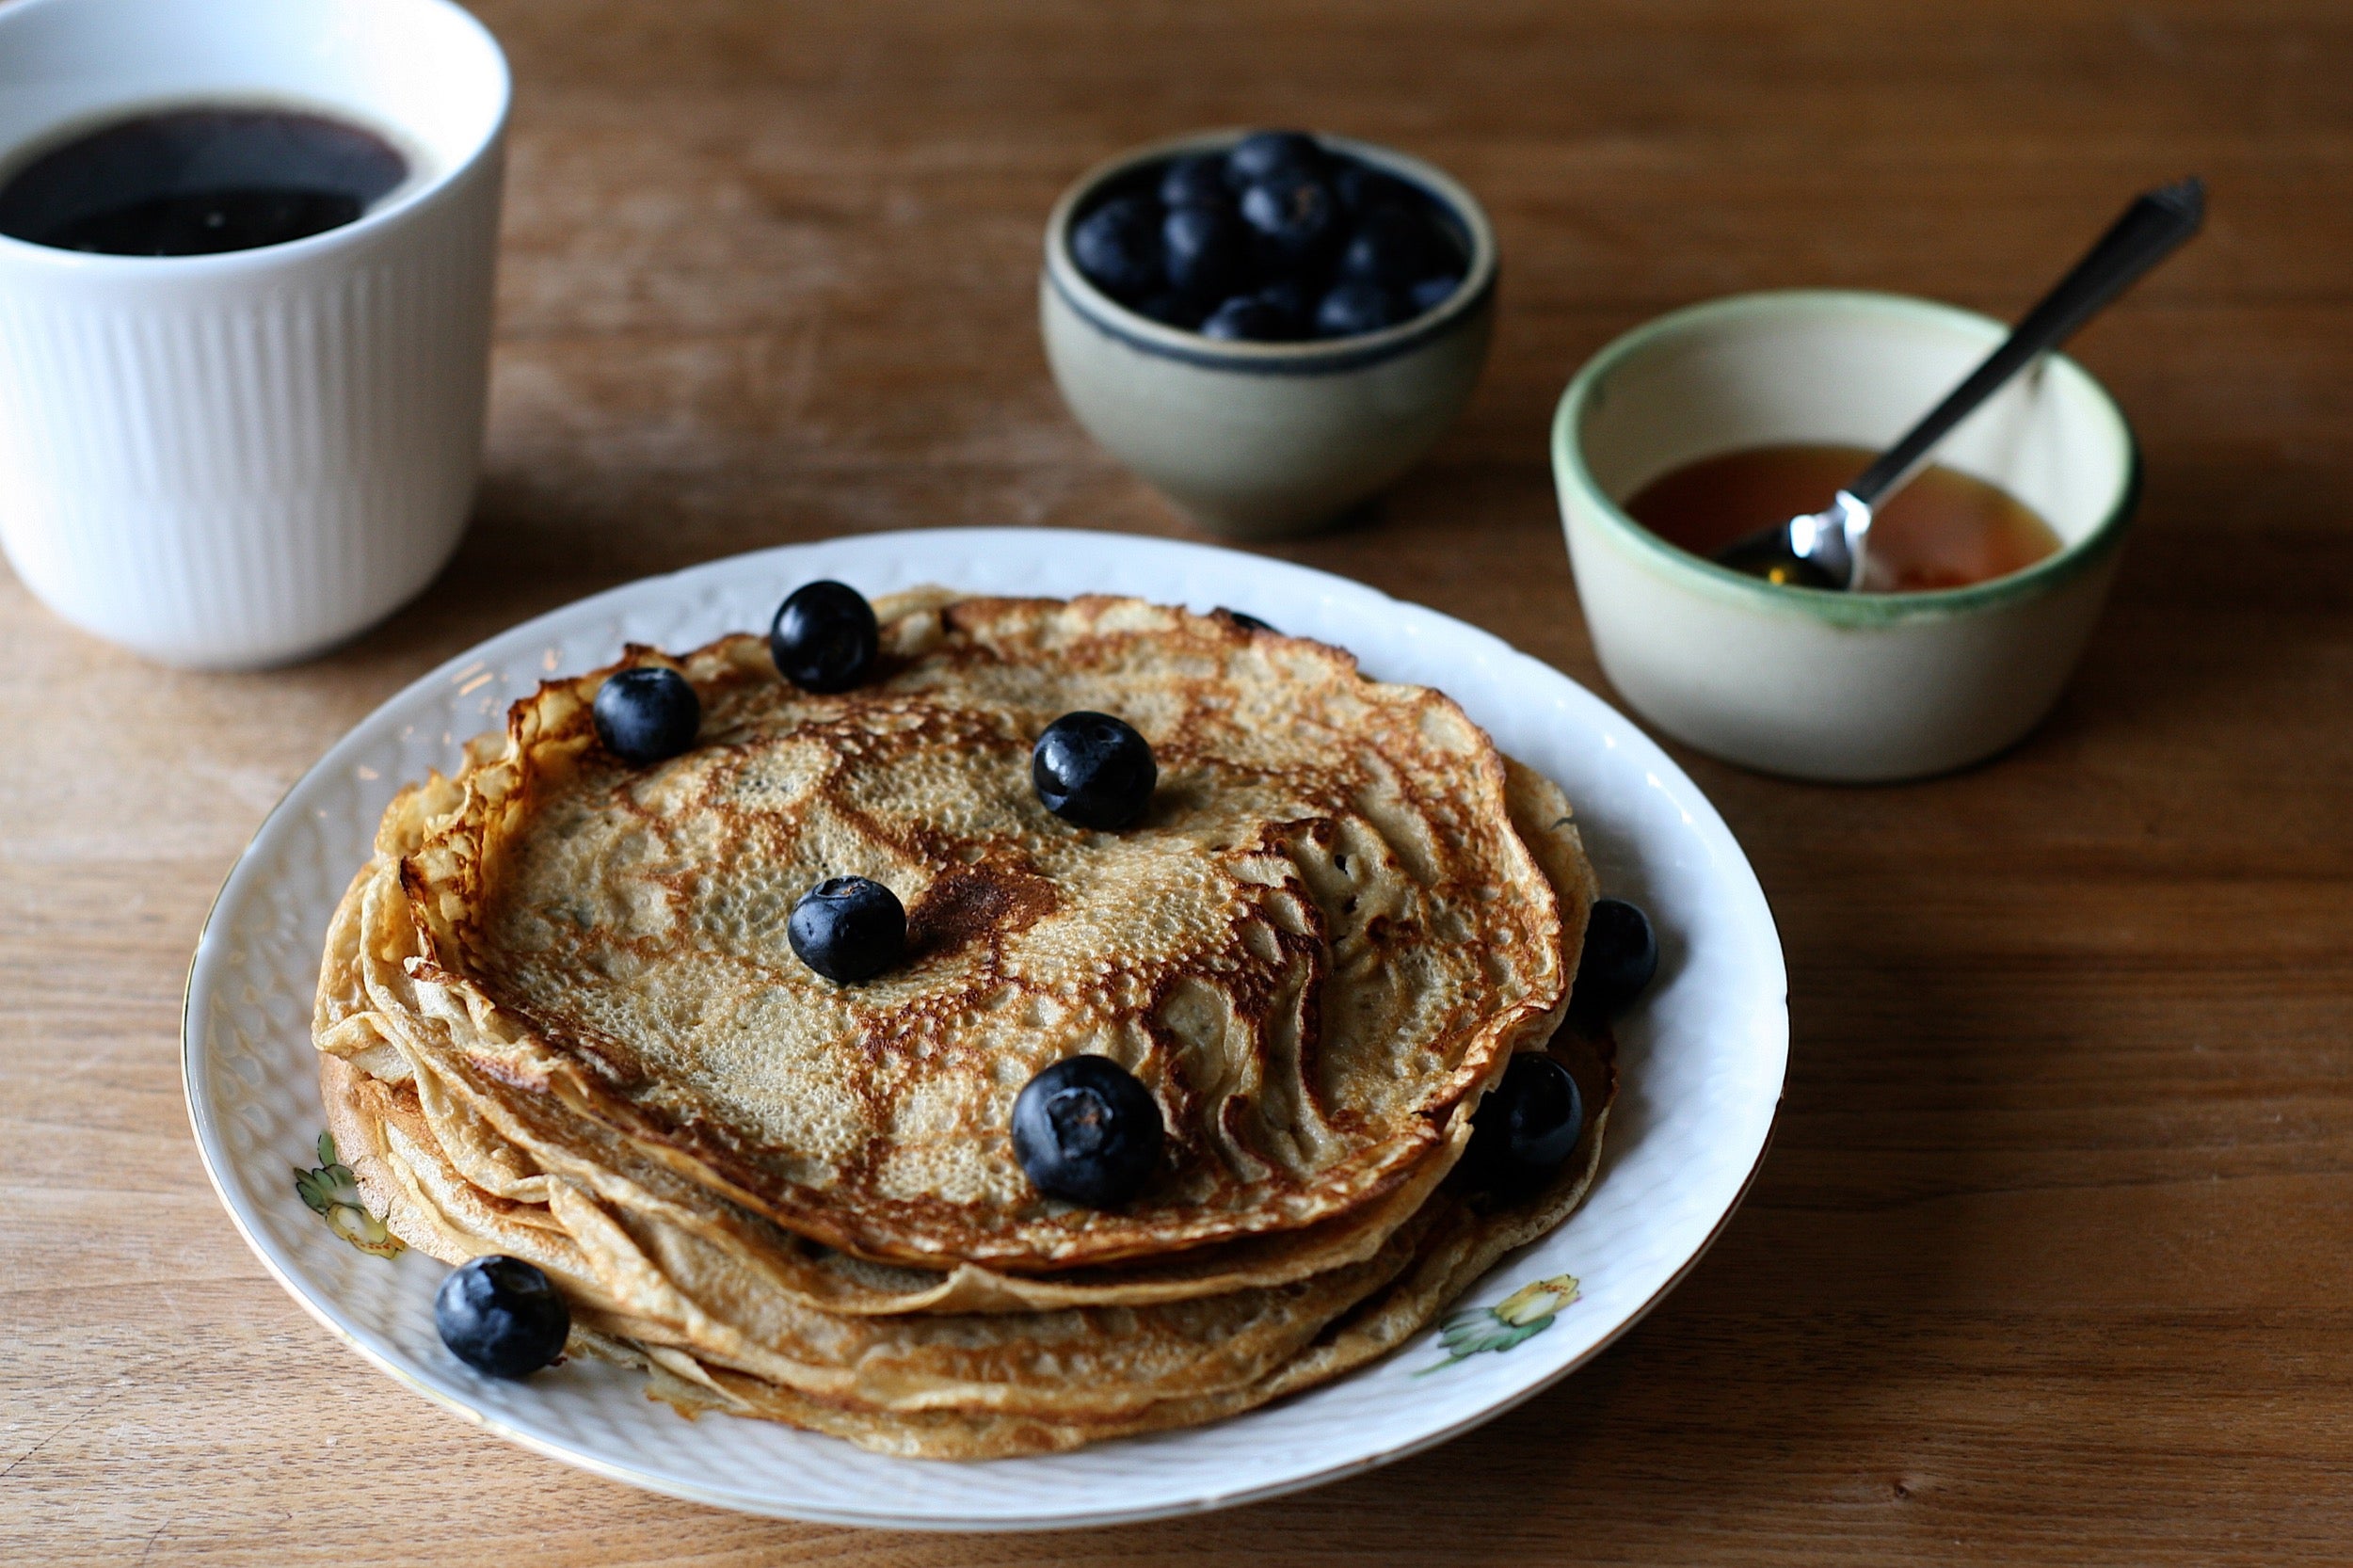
(1826,549)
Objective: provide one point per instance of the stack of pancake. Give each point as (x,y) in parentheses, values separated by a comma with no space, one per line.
(560,1021)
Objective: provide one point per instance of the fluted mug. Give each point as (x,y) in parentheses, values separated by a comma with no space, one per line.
(236,459)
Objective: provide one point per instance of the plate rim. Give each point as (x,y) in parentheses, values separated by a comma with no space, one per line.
(212,1151)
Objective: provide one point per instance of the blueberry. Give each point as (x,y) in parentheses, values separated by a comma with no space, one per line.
(1248,623)
(501,1316)
(1524,1130)
(1289,296)
(1621,956)
(1204,250)
(1249,318)
(1355,307)
(1431,293)
(1199,180)
(1294,219)
(1087,1132)
(824,638)
(1118,247)
(1093,770)
(1263,154)
(848,929)
(1362,188)
(645,714)
(1397,248)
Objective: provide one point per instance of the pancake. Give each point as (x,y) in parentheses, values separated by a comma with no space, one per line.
(1317,949)
(716,1333)
(505,1143)
(558,1021)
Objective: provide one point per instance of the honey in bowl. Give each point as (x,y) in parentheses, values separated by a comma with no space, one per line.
(1943,530)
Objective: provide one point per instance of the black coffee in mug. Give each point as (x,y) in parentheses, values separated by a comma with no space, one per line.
(193,180)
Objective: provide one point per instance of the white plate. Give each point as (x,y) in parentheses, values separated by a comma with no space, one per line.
(1703,1055)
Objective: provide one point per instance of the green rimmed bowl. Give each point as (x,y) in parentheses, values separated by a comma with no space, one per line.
(1843,687)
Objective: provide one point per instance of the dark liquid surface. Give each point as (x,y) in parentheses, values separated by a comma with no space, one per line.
(1943,530)
(191,182)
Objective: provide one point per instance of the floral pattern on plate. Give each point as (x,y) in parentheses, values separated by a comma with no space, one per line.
(1521,1316)
(332,1192)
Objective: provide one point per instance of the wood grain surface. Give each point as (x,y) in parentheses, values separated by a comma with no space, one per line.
(2050,1262)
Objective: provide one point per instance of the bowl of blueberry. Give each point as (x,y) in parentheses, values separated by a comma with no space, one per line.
(1267,326)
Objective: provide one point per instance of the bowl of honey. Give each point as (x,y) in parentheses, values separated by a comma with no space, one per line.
(1984,575)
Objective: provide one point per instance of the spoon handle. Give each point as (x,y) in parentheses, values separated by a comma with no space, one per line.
(2156,222)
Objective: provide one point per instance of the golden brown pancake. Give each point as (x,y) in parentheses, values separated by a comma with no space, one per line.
(1323,937)
(558,1021)
(367,1005)
(720,1325)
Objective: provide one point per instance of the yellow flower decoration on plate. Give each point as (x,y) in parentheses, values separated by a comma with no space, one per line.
(1521,1316)
(332,1192)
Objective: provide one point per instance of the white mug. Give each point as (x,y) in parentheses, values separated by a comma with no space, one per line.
(237,459)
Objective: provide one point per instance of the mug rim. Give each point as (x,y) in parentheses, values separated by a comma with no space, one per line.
(327,240)
(1314,357)
(1848,609)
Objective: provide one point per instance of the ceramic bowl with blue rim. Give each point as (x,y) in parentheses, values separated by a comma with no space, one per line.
(1258,440)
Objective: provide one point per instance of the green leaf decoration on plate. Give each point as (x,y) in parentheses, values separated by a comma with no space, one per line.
(332,1192)
(1521,1316)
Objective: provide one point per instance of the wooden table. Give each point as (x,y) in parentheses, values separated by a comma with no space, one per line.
(2050,1262)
